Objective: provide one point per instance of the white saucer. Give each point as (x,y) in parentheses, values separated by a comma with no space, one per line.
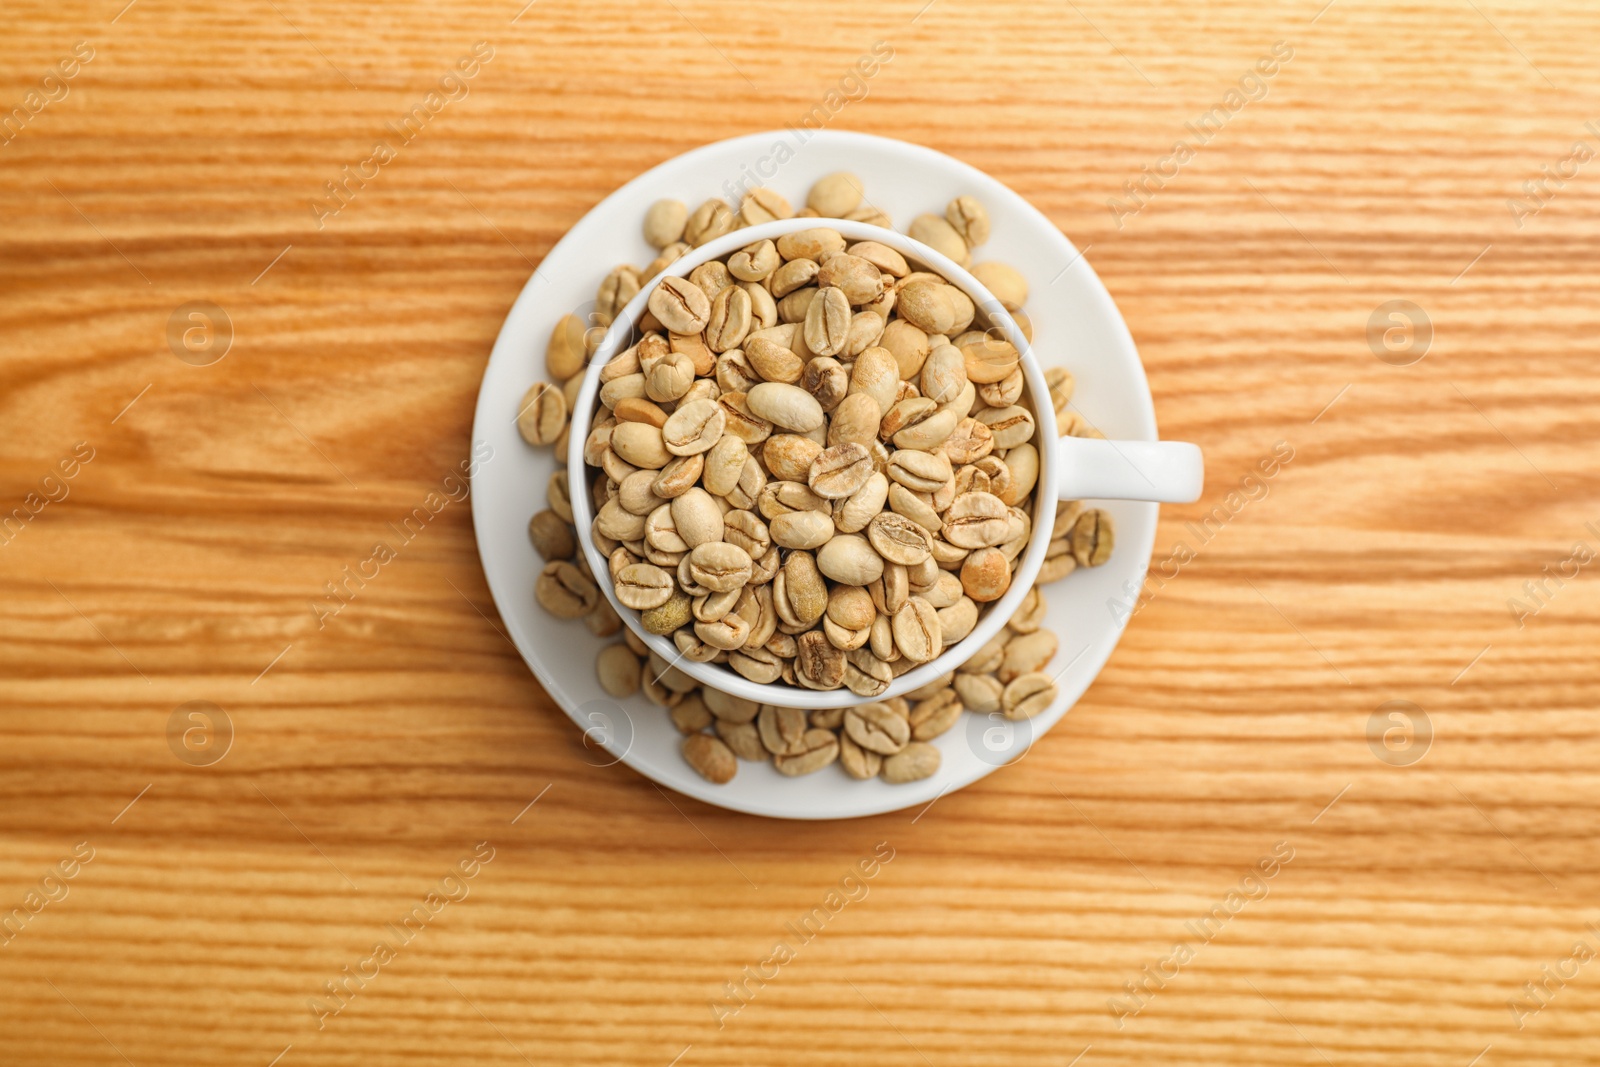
(1076,325)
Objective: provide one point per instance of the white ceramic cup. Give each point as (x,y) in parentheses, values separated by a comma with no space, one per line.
(1070,468)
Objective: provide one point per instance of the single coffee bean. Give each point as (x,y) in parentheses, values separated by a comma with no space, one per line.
(640,445)
(834,196)
(877,373)
(643,586)
(670,481)
(1007,391)
(622,388)
(789,457)
(939,235)
(957,620)
(1058,561)
(865,674)
(916,761)
(565,591)
(934,715)
(1028,695)
(1023,468)
(697,518)
(638,409)
(837,472)
(818,748)
(986,575)
(690,715)
(619,671)
(707,222)
(929,432)
(729,708)
(729,320)
(566,353)
(917,633)
(944,373)
(853,513)
(693,428)
(754,262)
(617,288)
(927,305)
(800,595)
(663,223)
(855,419)
(791,278)
(866,330)
(1091,538)
(542,414)
(680,305)
(551,536)
(827,323)
(711,758)
(1010,426)
(945,589)
(720,566)
(826,380)
(665,618)
(746,530)
(756,664)
(976,520)
(802,529)
(787,406)
(877,729)
(969,442)
(810,244)
(898,539)
(1006,283)
(819,664)
(922,472)
(1030,616)
(890,592)
(772,361)
(779,498)
(905,412)
(781,729)
(723,464)
(558,496)
(1026,654)
(727,633)
(851,559)
(857,762)
(668,379)
(859,280)
(714,606)
(764,205)
(979,692)
(909,345)
(969,219)
(618,523)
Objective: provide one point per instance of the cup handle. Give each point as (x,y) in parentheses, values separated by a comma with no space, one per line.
(1172,472)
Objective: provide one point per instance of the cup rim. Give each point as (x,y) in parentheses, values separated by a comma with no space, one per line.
(997,613)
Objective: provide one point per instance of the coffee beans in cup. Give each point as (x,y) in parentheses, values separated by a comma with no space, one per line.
(815,467)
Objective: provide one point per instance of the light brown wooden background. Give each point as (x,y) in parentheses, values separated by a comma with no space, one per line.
(375,753)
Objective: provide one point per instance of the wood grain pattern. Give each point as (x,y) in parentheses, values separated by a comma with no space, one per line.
(375,753)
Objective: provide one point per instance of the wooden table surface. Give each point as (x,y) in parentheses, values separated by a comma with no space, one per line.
(171,912)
